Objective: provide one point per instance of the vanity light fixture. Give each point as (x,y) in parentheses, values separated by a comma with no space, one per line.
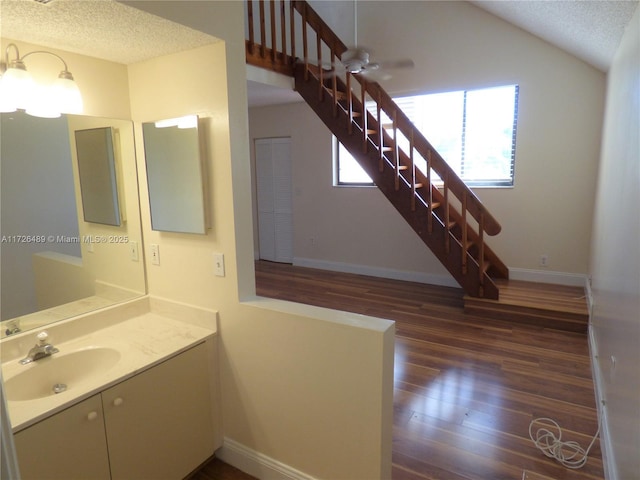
(188,121)
(18,90)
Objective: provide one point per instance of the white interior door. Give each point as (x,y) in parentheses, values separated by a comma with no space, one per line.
(275,212)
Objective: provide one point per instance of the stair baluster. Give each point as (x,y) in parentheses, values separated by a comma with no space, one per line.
(349,103)
(320,69)
(380,135)
(463,225)
(283,30)
(430,193)
(263,31)
(251,42)
(396,153)
(292,10)
(365,117)
(305,48)
(272,15)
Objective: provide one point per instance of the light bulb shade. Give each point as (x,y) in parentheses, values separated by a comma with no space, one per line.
(16,89)
(43,103)
(7,104)
(67,94)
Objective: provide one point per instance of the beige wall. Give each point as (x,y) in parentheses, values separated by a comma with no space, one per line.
(455,46)
(109,259)
(300,385)
(615,262)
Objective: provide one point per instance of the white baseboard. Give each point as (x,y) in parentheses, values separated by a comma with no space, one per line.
(545,276)
(419,277)
(606,445)
(257,464)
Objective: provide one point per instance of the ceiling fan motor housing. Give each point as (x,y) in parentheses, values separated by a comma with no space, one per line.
(355,60)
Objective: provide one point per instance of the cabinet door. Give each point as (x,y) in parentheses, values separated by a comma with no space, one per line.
(69,445)
(159,423)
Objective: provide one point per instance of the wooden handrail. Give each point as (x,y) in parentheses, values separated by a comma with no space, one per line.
(320,27)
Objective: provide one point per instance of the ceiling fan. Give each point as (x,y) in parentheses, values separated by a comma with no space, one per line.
(357,59)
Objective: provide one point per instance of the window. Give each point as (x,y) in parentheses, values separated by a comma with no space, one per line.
(473,130)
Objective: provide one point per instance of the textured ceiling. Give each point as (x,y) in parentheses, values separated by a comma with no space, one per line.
(99,28)
(589,29)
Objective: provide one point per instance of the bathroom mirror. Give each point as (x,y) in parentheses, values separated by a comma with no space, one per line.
(97,173)
(175,175)
(56,265)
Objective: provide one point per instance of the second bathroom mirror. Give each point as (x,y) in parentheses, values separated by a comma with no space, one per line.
(175,175)
(98,177)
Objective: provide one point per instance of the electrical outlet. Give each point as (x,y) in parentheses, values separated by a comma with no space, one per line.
(133,251)
(218,264)
(544,260)
(155,254)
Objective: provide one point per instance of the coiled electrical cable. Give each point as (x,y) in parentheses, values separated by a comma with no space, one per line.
(548,438)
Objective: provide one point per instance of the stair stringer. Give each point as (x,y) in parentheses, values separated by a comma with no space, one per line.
(472,281)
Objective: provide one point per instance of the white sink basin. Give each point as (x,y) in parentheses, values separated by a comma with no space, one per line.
(61,371)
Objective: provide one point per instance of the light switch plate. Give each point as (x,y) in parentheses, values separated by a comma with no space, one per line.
(155,254)
(133,251)
(218,264)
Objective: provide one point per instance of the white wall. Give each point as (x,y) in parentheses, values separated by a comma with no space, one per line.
(309,388)
(615,262)
(456,45)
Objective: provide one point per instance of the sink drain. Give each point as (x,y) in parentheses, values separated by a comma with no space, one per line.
(59,388)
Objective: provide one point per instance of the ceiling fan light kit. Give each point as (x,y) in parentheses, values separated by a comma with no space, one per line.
(355,60)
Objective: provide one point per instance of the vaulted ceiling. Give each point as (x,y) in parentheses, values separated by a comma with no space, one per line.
(590,30)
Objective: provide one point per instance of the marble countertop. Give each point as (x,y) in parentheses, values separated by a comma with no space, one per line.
(142,341)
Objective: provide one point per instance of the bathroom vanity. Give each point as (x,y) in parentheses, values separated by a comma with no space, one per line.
(137,398)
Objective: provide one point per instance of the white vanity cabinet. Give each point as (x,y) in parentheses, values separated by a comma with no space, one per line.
(70,444)
(157,425)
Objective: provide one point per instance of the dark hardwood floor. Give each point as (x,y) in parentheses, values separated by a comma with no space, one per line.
(466,387)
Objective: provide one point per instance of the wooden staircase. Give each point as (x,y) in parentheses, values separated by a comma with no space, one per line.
(447,216)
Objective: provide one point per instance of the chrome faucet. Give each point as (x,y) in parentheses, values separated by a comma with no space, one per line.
(13,327)
(40,350)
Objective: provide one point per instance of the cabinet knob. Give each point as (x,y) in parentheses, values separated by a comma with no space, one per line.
(92,416)
(117,402)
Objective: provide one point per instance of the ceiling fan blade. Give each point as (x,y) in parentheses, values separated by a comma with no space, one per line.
(396,64)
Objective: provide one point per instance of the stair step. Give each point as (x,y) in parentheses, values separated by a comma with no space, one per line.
(544,305)
(339,95)
(486,266)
